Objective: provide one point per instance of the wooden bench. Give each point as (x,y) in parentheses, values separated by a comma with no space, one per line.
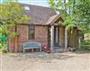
(31,45)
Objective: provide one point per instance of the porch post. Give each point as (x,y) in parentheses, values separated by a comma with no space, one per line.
(52,37)
(66,39)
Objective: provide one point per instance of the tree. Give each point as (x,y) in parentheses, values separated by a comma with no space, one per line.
(75,12)
(11,14)
(83,14)
(66,9)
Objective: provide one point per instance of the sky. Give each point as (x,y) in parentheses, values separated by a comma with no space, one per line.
(36,2)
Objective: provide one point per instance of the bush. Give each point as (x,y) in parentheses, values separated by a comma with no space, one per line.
(3,40)
(85,45)
(87,42)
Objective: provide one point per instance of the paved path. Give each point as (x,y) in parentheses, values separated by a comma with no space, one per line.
(45,62)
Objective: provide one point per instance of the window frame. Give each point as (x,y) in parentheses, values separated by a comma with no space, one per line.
(31,28)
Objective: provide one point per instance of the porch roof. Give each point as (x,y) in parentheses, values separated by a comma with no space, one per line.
(55,20)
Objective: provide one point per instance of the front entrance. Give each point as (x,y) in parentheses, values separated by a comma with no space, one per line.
(56,36)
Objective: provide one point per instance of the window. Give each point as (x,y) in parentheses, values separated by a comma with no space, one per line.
(27,8)
(31,32)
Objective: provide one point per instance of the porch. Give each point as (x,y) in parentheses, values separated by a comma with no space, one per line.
(57,38)
(58,34)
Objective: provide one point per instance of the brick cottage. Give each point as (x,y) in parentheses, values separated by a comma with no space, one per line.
(46,27)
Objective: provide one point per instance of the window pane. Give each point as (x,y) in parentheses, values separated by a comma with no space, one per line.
(31,32)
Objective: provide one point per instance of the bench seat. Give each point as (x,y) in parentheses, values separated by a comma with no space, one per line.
(31,45)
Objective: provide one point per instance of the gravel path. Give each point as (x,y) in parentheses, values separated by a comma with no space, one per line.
(45,62)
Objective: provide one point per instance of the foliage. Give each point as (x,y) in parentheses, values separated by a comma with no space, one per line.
(75,12)
(83,14)
(85,47)
(11,14)
(3,40)
(62,7)
(85,42)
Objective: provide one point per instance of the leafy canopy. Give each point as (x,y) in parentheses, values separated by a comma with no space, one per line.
(75,12)
(11,13)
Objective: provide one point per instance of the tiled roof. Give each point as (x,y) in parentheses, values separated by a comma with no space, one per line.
(40,15)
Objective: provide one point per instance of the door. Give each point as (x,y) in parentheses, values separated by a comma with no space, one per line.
(56,36)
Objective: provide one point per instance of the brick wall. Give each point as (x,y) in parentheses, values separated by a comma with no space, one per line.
(23,35)
(41,34)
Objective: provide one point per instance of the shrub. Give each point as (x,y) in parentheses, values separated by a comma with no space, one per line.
(87,42)
(85,45)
